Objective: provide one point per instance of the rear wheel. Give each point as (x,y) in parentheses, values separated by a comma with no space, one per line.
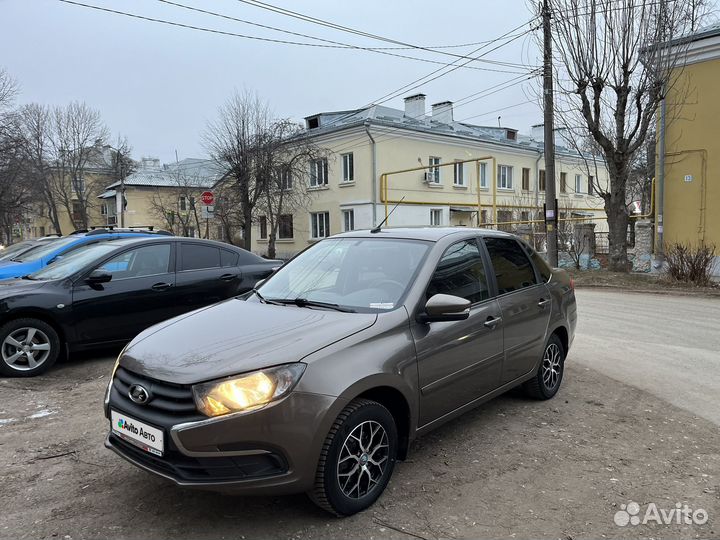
(548,378)
(28,347)
(357,458)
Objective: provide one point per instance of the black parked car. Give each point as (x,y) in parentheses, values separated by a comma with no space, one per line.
(106,293)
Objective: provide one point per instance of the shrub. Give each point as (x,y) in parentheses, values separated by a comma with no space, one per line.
(690,264)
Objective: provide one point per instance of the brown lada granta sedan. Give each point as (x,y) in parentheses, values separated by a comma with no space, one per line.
(319,380)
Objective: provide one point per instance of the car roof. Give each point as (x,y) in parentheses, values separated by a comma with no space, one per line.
(431,234)
(129,241)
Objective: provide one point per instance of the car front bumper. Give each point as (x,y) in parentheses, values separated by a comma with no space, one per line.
(272,450)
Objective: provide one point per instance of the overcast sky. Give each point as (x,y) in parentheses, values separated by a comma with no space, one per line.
(158,85)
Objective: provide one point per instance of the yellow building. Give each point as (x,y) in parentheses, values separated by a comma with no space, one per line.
(494,169)
(691,179)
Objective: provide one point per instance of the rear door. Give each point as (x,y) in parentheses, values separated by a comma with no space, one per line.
(459,361)
(525,303)
(139,295)
(206,274)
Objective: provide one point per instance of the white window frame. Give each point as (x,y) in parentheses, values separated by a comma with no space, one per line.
(318,221)
(436,217)
(286,180)
(348,220)
(183,203)
(319,173)
(483,175)
(459,173)
(434,171)
(348,168)
(505,177)
(578,184)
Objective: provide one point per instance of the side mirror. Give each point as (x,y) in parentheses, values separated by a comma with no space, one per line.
(445,307)
(97,277)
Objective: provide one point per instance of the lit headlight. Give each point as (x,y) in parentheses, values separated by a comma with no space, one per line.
(247,391)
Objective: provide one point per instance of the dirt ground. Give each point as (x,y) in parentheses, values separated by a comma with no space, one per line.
(641,282)
(513,468)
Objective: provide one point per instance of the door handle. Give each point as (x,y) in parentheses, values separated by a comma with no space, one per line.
(492,322)
(543,302)
(228,277)
(161,287)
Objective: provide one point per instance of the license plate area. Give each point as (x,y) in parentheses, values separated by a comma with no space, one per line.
(137,433)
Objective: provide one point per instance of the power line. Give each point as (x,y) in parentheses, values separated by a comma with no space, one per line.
(497,110)
(341,44)
(341,28)
(272,40)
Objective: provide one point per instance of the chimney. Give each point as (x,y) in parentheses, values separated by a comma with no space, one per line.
(537,132)
(443,112)
(415,107)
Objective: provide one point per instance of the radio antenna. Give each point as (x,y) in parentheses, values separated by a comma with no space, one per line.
(379,227)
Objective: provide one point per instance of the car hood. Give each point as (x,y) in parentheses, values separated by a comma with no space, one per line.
(10,287)
(234,337)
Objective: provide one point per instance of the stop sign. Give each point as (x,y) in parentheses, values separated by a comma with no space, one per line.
(207,198)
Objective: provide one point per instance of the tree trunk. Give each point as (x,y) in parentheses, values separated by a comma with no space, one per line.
(271,246)
(247,209)
(617,233)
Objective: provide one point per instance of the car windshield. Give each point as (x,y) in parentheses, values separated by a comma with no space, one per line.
(45,249)
(360,274)
(11,251)
(73,262)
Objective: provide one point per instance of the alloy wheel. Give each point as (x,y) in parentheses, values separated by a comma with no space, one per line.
(363,459)
(25,348)
(551,366)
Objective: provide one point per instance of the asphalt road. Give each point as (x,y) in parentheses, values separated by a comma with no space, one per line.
(665,344)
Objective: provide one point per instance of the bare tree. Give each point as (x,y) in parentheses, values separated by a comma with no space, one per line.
(178,204)
(76,141)
(613,74)
(244,125)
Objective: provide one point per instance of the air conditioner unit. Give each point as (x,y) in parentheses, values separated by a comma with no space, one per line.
(429,178)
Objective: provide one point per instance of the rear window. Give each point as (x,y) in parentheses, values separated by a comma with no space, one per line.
(228,258)
(541,265)
(197,257)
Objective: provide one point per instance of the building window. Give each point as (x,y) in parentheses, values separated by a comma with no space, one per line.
(104,209)
(286,180)
(348,220)
(503,219)
(183,203)
(320,222)
(76,214)
(79,185)
(541,181)
(484,216)
(483,175)
(319,173)
(591,185)
(526,179)
(348,168)
(435,217)
(524,215)
(563,182)
(263,227)
(505,177)
(434,172)
(285,226)
(459,170)
(578,183)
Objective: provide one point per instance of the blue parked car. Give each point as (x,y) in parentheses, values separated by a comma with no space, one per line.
(40,256)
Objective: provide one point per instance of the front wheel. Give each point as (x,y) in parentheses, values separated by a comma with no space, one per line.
(548,378)
(28,347)
(357,458)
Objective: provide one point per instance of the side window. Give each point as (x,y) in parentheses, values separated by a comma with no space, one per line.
(198,256)
(460,272)
(513,270)
(228,258)
(541,265)
(139,262)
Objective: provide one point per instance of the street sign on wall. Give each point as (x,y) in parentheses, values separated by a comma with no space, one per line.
(207,198)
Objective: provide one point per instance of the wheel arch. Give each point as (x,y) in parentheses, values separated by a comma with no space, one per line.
(29,313)
(562,333)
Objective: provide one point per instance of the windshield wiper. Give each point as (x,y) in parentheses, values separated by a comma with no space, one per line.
(265,300)
(304,302)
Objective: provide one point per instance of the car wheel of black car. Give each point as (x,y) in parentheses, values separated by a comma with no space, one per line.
(28,347)
(357,458)
(547,381)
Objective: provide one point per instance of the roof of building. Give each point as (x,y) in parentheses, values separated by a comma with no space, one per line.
(189,172)
(332,121)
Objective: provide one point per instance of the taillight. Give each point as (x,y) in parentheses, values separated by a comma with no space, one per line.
(572,283)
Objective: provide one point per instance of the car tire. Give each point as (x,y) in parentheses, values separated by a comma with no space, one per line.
(28,347)
(363,439)
(546,382)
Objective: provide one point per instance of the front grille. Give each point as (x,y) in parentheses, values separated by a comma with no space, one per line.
(191,469)
(169,403)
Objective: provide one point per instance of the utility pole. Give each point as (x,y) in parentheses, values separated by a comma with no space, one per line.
(549,126)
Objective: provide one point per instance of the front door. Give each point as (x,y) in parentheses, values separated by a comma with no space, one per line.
(459,361)
(525,304)
(140,294)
